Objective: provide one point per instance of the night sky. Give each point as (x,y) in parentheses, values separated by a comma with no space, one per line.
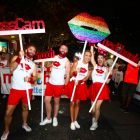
(121,18)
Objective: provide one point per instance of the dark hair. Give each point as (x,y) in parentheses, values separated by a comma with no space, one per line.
(76,57)
(101,55)
(90,66)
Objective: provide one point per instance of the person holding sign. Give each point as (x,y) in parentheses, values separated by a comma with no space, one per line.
(18,88)
(98,76)
(56,84)
(81,91)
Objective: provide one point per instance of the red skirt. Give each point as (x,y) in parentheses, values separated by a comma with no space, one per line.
(81,91)
(94,89)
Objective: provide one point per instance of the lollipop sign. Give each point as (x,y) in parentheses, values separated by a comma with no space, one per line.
(91,36)
(87,35)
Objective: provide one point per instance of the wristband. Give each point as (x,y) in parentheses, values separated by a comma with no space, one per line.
(80,81)
(74,73)
(18,60)
(110,76)
(30,80)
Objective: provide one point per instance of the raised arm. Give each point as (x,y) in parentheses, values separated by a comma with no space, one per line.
(92,56)
(16,60)
(67,66)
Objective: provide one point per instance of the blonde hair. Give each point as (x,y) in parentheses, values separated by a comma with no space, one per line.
(90,66)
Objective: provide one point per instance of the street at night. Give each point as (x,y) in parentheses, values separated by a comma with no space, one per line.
(114,124)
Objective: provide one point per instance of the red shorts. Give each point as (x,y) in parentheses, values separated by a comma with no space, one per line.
(81,91)
(16,95)
(55,90)
(94,89)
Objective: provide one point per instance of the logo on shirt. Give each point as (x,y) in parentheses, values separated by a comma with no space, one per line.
(55,63)
(27,67)
(1,64)
(83,70)
(100,71)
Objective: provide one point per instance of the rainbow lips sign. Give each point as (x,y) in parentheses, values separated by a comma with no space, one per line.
(92,36)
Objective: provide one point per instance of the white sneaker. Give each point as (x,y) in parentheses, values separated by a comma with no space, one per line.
(5,135)
(33,97)
(55,122)
(76,124)
(46,121)
(26,127)
(93,119)
(4,96)
(94,126)
(72,126)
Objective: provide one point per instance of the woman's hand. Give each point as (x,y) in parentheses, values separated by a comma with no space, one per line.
(78,70)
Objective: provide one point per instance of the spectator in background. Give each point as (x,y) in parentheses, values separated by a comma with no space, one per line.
(3,63)
(131,74)
(75,58)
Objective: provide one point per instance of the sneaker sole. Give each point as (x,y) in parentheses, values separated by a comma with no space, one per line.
(44,124)
(93,129)
(26,130)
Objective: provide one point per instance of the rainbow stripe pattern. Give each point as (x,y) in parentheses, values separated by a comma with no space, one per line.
(91,36)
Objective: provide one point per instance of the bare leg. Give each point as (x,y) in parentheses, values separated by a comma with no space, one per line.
(25,112)
(8,116)
(72,110)
(128,101)
(56,106)
(97,109)
(93,110)
(77,106)
(48,106)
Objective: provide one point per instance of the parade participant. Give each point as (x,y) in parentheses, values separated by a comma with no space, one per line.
(131,75)
(98,76)
(3,63)
(81,91)
(18,87)
(56,84)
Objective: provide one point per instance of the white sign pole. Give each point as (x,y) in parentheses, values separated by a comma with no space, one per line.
(42,93)
(78,73)
(117,54)
(102,86)
(27,91)
(43,60)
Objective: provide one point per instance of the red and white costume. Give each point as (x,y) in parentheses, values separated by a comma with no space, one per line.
(56,80)
(18,87)
(3,63)
(98,77)
(81,91)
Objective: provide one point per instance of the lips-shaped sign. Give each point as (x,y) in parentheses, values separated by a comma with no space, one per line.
(27,67)
(55,63)
(92,36)
(100,71)
(83,70)
(1,64)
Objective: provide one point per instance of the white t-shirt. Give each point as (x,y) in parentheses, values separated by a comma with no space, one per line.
(98,74)
(58,71)
(3,63)
(83,71)
(18,75)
